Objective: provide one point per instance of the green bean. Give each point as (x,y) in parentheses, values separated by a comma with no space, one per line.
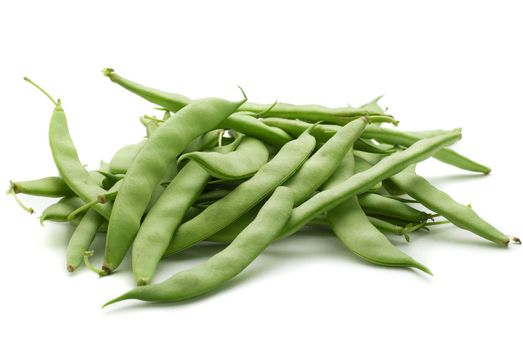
(247,123)
(151,164)
(223,212)
(52,186)
(438,201)
(124,157)
(250,156)
(363,181)
(228,263)
(352,227)
(391,188)
(212,196)
(395,228)
(82,237)
(374,203)
(60,210)
(229,233)
(67,161)
(314,113)
(384,135)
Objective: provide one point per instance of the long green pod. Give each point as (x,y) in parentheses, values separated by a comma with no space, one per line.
(151,164)
(157,229)
(247,123)
(82,237)
(51,186)
(374,203)
(60,210)
(314,113)
(438,201)
(246,160)
(361,182)
(385,135)
(352,227)
(204,141)
(224,211)
(226,264)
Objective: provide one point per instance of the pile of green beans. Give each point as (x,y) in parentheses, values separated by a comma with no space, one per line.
(245,175)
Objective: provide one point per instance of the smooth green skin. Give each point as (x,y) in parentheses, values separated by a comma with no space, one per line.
(374,203)
(211,196)
(68,163)
(247,123)
(172,170)
(245,161)
(52,186)
(385,226)
(204,142)
(438,201)
(82,237)
(384,135)
(362,182)
(151,164)
(226,264)
(60,210)
(351,225)
(124,157)
(323,163)
(226,210)
(157,229)
(314,113)
(231,231)
(362,165)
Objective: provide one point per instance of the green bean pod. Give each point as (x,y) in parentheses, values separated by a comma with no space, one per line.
(60,210)
(438,201)
(361,182)
(374,203)
(247,123)
(52,186)
(226,264)
(246,160)
(314,113)
(68,163)
(352,227)
(151,164)
(82,237)
(224,211)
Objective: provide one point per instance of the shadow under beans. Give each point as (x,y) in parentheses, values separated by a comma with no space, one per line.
(441,180)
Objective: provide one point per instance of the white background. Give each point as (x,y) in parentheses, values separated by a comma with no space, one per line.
(440,65)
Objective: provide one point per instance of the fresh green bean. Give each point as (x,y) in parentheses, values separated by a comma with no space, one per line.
(224,211)
(314,113)
(60,210)
(352,227)
(374,203)
(52,186)
(82,237)
(438,201)
(124,157)
(250,156)
(363,181)
(151,164)
(228,263)
(204,142)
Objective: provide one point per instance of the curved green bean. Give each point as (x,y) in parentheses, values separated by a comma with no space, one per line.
(374,203)
(150,165)
(60,210)
(228,263)
(82,237)
(438,201)
(52,186)
(250,156)
(352,227)
(124,157)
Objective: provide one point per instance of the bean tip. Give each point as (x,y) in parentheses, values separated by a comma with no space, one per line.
(514,240)
(70,268)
